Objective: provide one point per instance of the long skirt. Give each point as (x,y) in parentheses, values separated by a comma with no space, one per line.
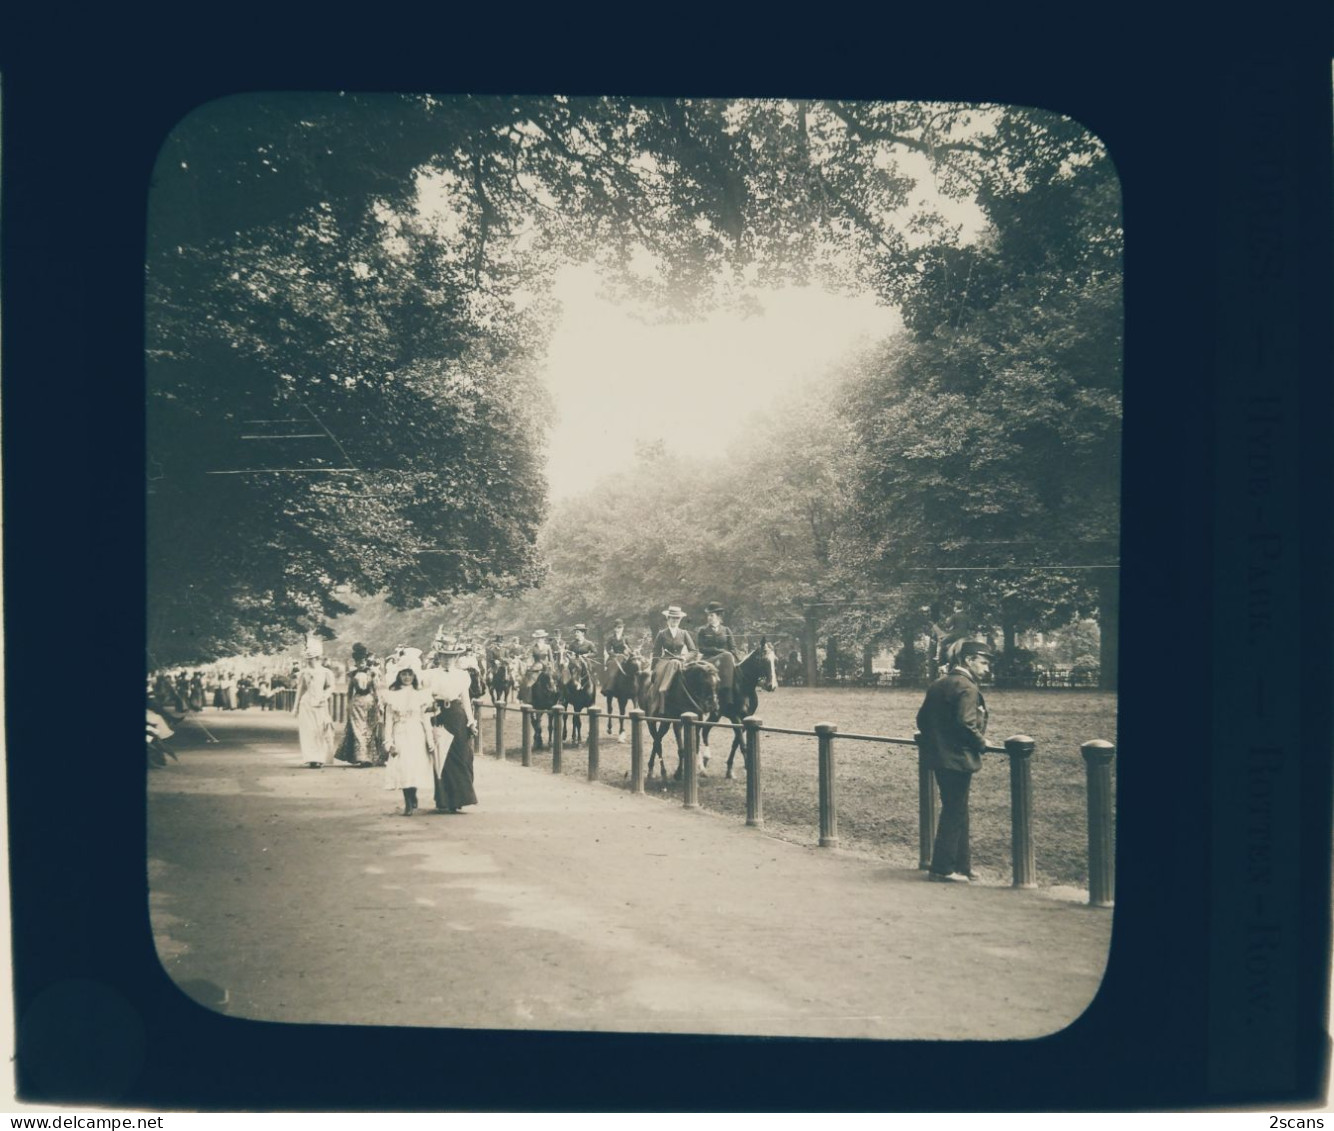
(454,787)
(410,767)
(314,729)
(361,738)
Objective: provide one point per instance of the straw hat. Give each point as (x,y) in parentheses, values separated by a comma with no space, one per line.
(673,611)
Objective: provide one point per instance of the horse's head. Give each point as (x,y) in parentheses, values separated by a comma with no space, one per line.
(544,685)
(574,670)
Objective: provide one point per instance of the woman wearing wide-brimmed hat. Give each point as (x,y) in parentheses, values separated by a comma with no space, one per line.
(452,728)
(407,737)
(671,648)
(314,725)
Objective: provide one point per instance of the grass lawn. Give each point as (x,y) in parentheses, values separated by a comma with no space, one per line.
(876,783)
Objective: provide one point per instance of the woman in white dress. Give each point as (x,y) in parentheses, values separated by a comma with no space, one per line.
(314,725)
(407,739)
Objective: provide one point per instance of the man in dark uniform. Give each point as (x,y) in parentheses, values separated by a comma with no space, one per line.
(953,724)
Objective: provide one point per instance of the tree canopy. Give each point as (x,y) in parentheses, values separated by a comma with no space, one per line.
(348,312)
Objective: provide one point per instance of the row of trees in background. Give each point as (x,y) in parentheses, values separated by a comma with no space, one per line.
(347,311)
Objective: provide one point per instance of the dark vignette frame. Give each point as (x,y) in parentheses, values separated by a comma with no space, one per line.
(1180,110)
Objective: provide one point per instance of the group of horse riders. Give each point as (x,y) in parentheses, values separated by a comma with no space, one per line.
(672,647)
(702,672)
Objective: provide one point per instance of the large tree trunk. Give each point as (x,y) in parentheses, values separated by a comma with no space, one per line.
(1109,614)
(869,650)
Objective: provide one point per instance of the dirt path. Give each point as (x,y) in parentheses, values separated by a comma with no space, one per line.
(290,894)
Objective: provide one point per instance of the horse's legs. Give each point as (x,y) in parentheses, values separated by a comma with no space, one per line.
(657,731)
(704,751)
(738,743)
(537,730)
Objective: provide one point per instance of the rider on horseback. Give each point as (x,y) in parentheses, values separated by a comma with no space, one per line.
(541,656)
(581,645)
(671,648)
(718,647)
(616,645)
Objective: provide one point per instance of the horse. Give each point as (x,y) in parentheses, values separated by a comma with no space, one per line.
(742,699)
(502,681)
(545,696)
(477,683)
(619,677)
(693,688)
(578,689)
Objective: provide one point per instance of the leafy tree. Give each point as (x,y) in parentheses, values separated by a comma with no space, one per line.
(373,267)
(990,441)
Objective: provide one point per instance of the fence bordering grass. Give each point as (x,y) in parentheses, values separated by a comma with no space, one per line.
(1019,749)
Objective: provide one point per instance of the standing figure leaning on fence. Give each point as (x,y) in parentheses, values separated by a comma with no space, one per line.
(953,724)
(671,648)
(314,725)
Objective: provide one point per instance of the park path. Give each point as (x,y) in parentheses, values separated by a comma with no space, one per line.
(289,894)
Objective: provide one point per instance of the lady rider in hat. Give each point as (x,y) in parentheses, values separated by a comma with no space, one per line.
(717,645)
(671,647)
(540,655)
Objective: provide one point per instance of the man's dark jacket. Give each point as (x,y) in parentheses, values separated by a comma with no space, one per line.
(953,722)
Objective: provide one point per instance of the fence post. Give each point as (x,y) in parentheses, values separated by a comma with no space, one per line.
(1098,756)
(526,729)
(594,717)
(636,750)
(477,718)
(690,748)
(554,720)
(754,794)
(926,808)
(1020,749)
(828,801)
(500,731)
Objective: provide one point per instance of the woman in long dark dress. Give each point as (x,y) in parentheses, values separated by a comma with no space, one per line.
(451,687)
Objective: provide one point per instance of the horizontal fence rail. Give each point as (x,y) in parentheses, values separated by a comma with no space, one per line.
(1098,756)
